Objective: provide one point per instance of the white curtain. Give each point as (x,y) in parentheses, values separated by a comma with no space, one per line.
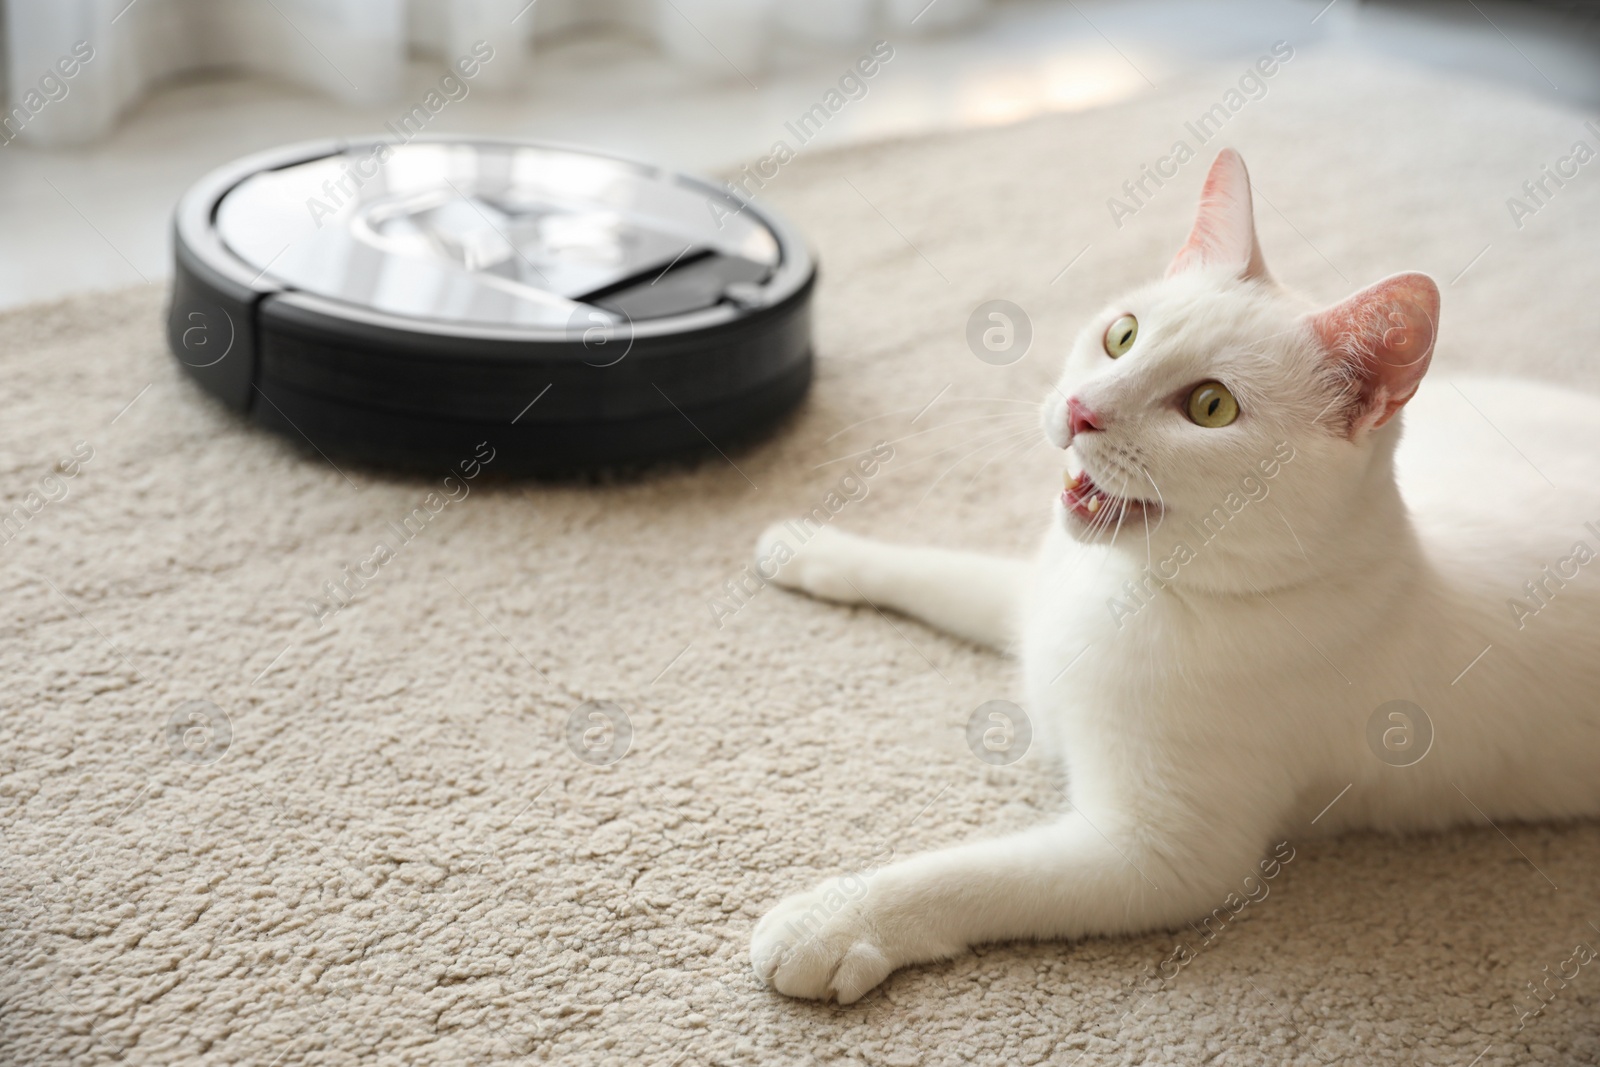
(73,66)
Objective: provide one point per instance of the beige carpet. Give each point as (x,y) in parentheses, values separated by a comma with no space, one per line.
(398,859)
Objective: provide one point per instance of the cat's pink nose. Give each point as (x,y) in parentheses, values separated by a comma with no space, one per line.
(1080,419)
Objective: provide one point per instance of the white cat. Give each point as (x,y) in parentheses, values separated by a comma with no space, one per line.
(1249,567)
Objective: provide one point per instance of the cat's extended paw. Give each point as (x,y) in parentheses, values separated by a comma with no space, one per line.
(820,944)
(819,565)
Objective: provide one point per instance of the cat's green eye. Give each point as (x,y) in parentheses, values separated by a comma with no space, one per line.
(1120,335)
(1211,405)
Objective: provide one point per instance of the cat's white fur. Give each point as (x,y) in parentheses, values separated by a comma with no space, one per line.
(1225,710)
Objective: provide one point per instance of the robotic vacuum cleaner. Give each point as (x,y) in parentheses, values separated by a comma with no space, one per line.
(401,304)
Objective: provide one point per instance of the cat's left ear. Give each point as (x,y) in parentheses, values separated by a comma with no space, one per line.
(1382,340)
(1224,232)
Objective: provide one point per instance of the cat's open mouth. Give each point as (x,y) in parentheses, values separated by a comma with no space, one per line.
(1092,505)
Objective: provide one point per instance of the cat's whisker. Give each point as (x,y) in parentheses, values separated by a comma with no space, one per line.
(1149,553)
(1122,509)
(1003,400)
(1104,525)
(1098,525)
(863,422)
(992,441)
(1160,500)
(924,407)
(1001,455)
(1004,433)
(1292,534)
(920,433)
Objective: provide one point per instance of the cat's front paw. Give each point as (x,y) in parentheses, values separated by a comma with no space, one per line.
(820,944)
(819,564)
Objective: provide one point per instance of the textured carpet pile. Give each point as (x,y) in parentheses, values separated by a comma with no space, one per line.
(383,848)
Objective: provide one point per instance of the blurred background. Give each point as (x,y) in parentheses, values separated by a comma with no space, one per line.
(91,164)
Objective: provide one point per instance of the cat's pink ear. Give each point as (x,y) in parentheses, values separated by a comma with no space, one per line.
(1382,339)
(1224,231)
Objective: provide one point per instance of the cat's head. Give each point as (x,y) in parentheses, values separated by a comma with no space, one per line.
(1215,410)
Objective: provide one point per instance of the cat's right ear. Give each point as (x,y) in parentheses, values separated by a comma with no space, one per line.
(1224,232)
(1381,340)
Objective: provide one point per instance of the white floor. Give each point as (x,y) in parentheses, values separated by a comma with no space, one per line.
(97,218)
